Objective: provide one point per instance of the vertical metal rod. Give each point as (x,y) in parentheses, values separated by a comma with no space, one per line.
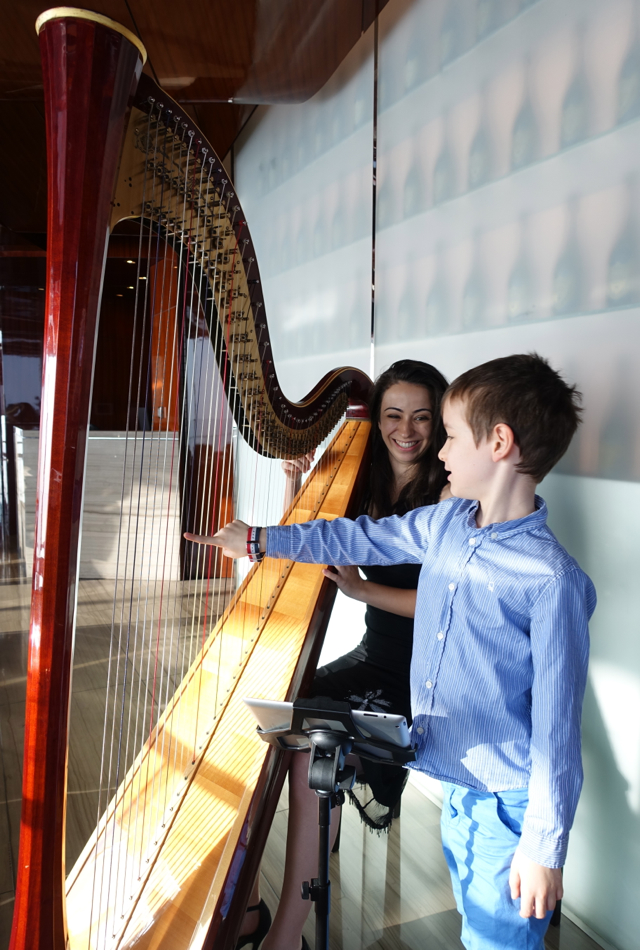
(323,898)
(374,187)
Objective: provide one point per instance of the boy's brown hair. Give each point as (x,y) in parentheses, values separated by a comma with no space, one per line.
(523,392)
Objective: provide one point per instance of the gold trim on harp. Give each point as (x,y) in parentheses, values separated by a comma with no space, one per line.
(58,13)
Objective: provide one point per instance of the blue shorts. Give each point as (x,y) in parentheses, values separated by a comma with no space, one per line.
(480,833)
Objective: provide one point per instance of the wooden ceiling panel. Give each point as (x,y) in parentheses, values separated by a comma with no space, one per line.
(296,54)
(206,43)
(254,50)
(216,57)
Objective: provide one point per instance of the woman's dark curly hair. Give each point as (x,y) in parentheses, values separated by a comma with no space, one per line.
(430,478)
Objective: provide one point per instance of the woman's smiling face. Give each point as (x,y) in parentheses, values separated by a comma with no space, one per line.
(406,422)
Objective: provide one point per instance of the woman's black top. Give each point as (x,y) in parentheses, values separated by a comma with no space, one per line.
(389,638)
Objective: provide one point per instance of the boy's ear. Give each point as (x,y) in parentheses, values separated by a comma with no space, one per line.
(503,443)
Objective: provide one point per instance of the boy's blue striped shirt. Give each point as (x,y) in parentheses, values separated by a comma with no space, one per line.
(500,649)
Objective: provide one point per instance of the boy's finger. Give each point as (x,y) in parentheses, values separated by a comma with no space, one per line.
(540,907)
(526,911)
(202,539)
(535,906)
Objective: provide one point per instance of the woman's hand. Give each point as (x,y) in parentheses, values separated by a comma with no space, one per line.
(393,599)
(348,580)
(294,468)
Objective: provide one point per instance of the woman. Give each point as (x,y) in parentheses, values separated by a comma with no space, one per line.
(407,434)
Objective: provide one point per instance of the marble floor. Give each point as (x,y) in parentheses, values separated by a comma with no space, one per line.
(389,892)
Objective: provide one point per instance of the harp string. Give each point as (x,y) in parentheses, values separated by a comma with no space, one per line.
(173,398)
(166,345)
(114,622)
(140,724)
(196,393)
(118,878)
(150,414)
(164,425)
(180,362)
(158,416)
(144,527)
(149,794)
(216,503)
(191,414)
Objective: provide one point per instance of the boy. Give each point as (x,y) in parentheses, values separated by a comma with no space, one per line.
(500,642)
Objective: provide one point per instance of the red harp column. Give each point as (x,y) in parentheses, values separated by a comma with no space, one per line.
(91,67)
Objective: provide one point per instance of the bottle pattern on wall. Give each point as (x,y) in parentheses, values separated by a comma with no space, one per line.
(554,123)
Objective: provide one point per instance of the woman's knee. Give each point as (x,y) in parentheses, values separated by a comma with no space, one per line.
(299,778)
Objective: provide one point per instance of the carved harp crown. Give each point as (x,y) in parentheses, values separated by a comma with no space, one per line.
(186,788)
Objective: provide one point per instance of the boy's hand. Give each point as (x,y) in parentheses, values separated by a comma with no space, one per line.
(232,539)
(537,886)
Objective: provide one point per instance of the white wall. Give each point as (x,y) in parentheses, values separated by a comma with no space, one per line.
(508,221)
(597,520)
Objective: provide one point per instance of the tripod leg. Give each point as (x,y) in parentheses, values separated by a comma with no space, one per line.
(336,834)
(322,885)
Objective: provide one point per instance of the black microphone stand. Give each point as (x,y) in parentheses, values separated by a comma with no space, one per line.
(329,778)
(331,732)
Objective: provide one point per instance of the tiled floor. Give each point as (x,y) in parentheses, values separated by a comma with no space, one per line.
(389,892)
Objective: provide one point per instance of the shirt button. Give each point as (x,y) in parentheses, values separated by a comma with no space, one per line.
(419,730)
(428,684)
(472,540)
(494,535)
(441,635)
(452,586)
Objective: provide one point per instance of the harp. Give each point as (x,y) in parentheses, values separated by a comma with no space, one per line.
(187,793)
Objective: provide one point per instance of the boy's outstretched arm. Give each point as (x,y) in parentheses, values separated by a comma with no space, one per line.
(392,540)
(537,886)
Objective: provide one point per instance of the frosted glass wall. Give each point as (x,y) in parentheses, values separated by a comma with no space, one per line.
(303,174)
(508,221)
(510,192)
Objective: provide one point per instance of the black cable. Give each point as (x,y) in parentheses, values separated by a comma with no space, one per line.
(135,26)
